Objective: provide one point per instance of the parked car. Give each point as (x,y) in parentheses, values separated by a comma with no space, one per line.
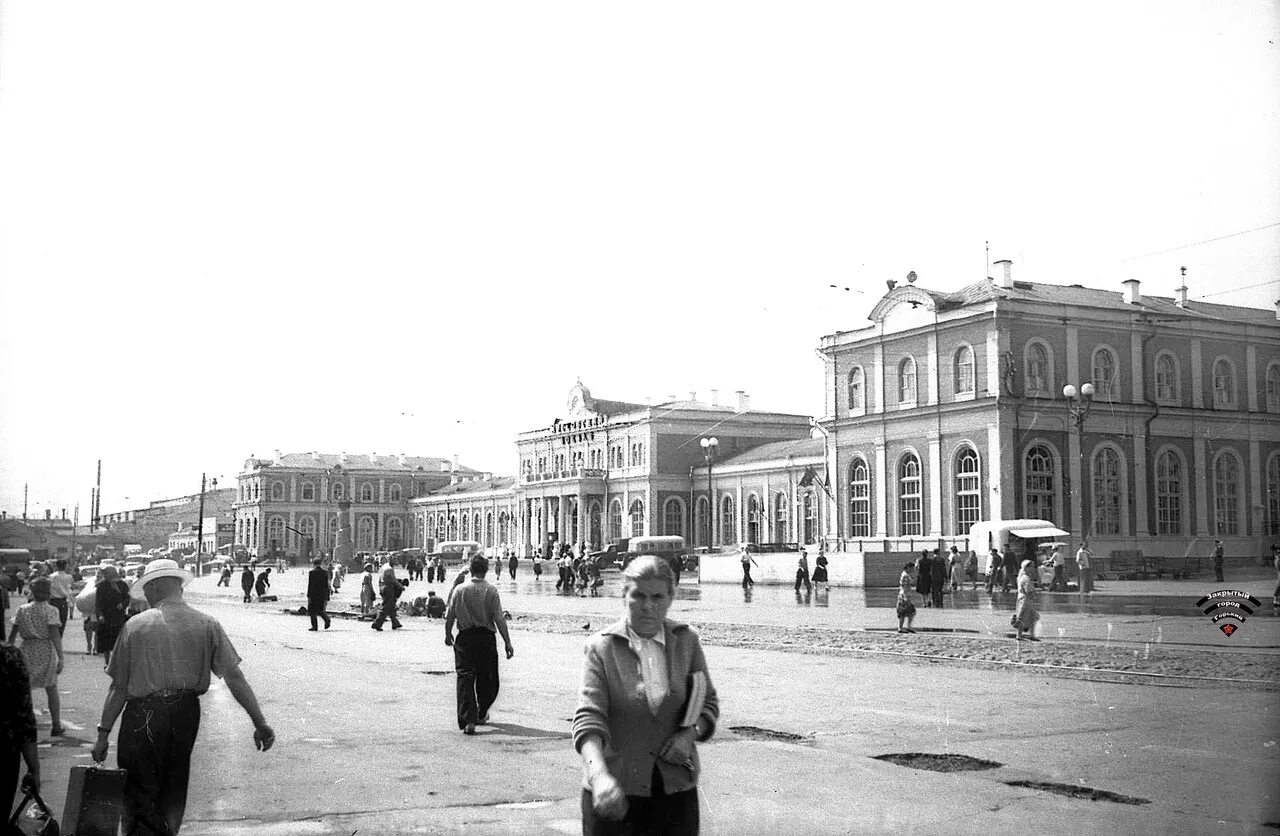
(614,554)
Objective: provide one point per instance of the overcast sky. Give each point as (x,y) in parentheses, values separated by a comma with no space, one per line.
(227,228)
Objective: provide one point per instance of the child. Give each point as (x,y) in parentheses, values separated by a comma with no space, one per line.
(906,609)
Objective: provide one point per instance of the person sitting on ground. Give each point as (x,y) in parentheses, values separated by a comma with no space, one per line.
(435,605)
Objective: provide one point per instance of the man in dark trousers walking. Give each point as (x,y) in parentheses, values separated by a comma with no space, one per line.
(1217,557)
(389,587)
(246,582)
(317,593)
(477,609)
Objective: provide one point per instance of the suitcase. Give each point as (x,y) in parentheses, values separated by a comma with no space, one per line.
(95,801)
(37,821)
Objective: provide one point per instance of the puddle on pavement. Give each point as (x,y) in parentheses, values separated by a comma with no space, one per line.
(757,733)
(1072,791)
(939,763)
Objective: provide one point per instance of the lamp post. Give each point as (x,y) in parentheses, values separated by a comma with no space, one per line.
(200,526)
(1079,402)
(709,446)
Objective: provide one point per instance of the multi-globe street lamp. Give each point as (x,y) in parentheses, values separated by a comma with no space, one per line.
(1079,402)
(709,446)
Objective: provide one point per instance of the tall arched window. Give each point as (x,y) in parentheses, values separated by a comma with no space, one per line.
(968,491)
(1226,493)
(275,533)
(488,529)
(1041,489)
(336,491)
(366,492)
(964,371)
(809,508)
(1273,388)
(307,525)
(595,522)
(1224,384)
(780,532)
(396,492)
(702,525)
(476,523)
(859,499)
(907,381)
(1037,370)
(1106,491)
(451,528)
(753,519)
(728,522)
(1166,378)
(1168,493)
(395,533)
(308,491)
(910,502)
(673,517)
(637,518)
(364,534)
(856,394)
(615,520)
(331,535)
(466,527)
(1105,385)
(277,491)
(1273,495)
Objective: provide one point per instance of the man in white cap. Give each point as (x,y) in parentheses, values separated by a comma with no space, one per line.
(159,669)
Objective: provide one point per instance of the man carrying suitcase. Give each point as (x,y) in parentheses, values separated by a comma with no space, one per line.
(159,669)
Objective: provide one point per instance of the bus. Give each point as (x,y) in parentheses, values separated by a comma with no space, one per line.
(670,548)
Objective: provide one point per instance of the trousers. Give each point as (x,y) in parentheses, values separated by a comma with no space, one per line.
(388,611)
(315,609)
(475,658)
(659,814)
(154,748)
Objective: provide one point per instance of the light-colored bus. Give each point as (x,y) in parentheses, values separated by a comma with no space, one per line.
(669,547)
(459,550)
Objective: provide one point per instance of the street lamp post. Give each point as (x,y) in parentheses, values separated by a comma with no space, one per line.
(1079,402)
(709,446)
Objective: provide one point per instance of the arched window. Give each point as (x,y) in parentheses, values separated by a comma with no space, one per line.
(1041,487)
(1226,493)
(1224,384)
(364,534)
(475,526)
(488,529)
(366,492)
(275,533)
(964,371)
(907,381)
(1106,491)
(1106,386)
(809,505)
(856,394)
(1037,370)
(257,542)
(332,531)
(910,502)
(859,499)
(780,532)
(615,520)
(728,522)
(308,491)
(702,525)
(451,530)
(466,527)
(1273,388)
(595,515)
(1168,493)
(1166,378)
(396,492)
(257,491)
(673,517)
(1273,495)
(753,518)
(636,513)
(277,491)
(395,533)
(968,491)
(336,491)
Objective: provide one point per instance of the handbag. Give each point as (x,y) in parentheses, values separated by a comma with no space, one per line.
(33,821)
(95,801)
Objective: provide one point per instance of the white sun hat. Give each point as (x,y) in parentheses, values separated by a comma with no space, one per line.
(161,567)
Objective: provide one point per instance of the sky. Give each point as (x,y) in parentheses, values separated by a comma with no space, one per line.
(230,228)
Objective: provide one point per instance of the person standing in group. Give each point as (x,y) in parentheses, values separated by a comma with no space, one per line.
(1217,557)
(924,579)
(746,558)
(1011,565)
(367,593)
(820,568)
(1024,613)
(906,609)
(161,666)
(111,607)
(60,592)
(40,626)
(246,582)
(802,571)
(389,588)
(263,583)
(476,607)
(971,570)
(995,568)
(1084,561)
(939,583)
(1059,583)
(955,566)
(317,594)
(646,699)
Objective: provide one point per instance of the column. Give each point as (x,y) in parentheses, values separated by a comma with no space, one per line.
(742,515)
(1073,357)
(1200,484)
(993,363)
(934,508)
(1141,513)
(931,357)
(1252,396)
(1197,380)
(996,487)
(881,491)
(1072,468)
(1139,374)
(877,375)
(584,531)
(293,488)
(1256,507)
(380,533)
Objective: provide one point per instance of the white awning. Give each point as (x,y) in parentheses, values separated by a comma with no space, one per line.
(1032,533)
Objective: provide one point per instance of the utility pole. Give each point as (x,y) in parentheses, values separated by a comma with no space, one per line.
(24,501)
(97,498)
(200,529)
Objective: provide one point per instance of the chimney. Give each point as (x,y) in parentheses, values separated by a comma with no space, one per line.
(64,513)
(1182,296)
(48,514)
(715,397)
(315,456)
(279,457)
(1005,278)
(444,466)
(1132,295)
(404,460)
(693,395)
(744,400)
(1278,310)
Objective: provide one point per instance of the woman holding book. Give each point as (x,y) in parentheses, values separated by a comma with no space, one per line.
(646,699)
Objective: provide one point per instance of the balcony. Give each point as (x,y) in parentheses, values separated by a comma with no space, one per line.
(560,475)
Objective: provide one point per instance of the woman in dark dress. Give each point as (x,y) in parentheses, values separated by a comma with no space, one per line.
(924,579)
(17,727)
(820,568)
(939,566)
(111,604)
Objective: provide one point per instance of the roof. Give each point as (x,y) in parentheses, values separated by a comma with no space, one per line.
(775,450)
(358,461)
(1091,297)
(474,486)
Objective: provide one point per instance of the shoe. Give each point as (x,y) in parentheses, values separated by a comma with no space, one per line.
(470,729)
(313,629)
(326,625)
(57,731)
(1032,639)
(376,627)
(396,626)
(484,721)
(902,630)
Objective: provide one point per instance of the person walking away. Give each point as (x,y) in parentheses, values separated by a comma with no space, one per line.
(476,608)
(802,571)
(995,568)
(939,584)
(1059,570)
(924,579)
(512,563)
(225,578)
(1217,557)
(747,560)
(367,593)
(1011,564)
(906,609)
(971,570)
(389,588)
(60,592)
(1024,613)
(111,607)
(246,582)
(537,566)
(17,727)
(1084,562)
(161,666)
(40,626)
(593,575)
(646,699)
(820,567)
(317,594)
(263,582)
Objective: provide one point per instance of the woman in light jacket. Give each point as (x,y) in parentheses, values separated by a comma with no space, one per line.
(646,698)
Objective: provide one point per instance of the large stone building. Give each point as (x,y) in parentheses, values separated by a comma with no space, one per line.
(285,502)
(949,408)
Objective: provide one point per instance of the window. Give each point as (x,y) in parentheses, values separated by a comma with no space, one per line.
(466,527)
(1040,487)
(859,499)
(964,371)
(1167,378)
(968,486)
(336,490)
(366,492)
(475,526)
(780,517)
(728,522)
(637,455)
(637,518)
(1226,494)
(910,509)
(275,533)
(615,519)
(395,532)
(364,534)
(542,464)
(673,518)
(1224,384)
(703,525)
(1273,495)
(753,519)
(277,491)
(1273,388)
(907,381)
(856,395)
(1168,493)
(809,505)
(396,492)
(557,463)
(308,492)
(1106,491)
(1105,385)
(1037,370)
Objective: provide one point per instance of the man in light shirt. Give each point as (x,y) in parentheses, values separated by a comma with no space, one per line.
(477,609)
(60,591)
(1084,560)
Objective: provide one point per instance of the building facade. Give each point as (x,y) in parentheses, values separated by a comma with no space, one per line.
(949,409)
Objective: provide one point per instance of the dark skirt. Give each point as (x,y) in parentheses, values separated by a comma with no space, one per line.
(820,574)
(906,609)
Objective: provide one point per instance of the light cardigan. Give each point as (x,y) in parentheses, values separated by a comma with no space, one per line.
(612,704)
